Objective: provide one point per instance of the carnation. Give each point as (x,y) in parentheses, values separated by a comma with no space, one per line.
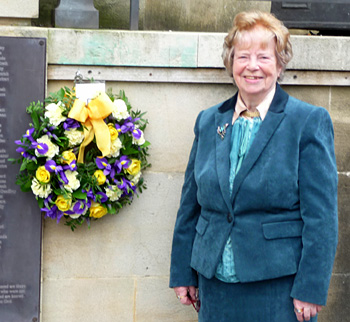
(136,178)
(73,182)
(53,148)
(74,136)
(54,113)
(40,190)
(120,110)
(116,145)
(113,192)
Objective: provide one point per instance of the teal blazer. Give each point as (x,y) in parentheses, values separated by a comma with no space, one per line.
(282,215)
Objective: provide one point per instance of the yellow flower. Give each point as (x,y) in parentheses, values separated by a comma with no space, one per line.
(113,131)
(68,156)
(135,167)
(42,174)
(62,203)
(101,178)
(97,210)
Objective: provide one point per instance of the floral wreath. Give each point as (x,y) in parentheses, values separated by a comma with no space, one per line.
(83,161)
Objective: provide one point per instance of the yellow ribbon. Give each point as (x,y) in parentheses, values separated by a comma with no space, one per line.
(91,116)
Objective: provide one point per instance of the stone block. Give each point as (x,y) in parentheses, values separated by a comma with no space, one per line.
(315,95)
(340,104)
(20,8)
(156,302)
(342,148)
(342,260)
(211,57)
(10,31)
(137,241)
(338,308)
(317,53)
(119,48)
(88,300)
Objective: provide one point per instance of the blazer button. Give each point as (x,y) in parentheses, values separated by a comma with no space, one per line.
(229,218)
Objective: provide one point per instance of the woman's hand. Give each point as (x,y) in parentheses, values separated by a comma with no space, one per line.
(183,293)
(304,310)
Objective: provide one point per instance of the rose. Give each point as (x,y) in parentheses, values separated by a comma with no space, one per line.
(135,167)
(63,203)
(100,177)
(74,136)
(42,174)
(54,113)
(68,156)
(113,131)
(40,190)
(73,182)
(53,148)
(97,210)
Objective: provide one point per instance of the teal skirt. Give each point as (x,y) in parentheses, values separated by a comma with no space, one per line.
(264,301)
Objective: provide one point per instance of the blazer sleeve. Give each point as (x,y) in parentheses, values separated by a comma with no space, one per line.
(181,273)
(318,182)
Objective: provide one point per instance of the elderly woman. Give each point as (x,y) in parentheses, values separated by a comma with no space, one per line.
(256,230)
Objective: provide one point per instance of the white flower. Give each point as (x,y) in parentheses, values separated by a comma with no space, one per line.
(116,145)
(54,113)
(136,178)
(40,190)
(74,136)
(53,148)
(73,182)
(113,193)
(140,141)
(120,110)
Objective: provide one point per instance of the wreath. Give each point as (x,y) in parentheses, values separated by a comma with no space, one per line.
(83,161)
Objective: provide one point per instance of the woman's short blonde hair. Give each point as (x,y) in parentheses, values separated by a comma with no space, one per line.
(246,21)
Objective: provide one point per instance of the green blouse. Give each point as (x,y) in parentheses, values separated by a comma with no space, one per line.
(243,134)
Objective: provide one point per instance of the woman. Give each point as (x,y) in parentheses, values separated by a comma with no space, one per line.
(256,230)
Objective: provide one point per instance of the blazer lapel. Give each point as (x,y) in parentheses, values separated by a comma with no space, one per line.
(223,147)
(268,127)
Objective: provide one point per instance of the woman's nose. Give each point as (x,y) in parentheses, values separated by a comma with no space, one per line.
(253,64)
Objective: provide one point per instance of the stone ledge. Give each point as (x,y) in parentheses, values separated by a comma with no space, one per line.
(170,49)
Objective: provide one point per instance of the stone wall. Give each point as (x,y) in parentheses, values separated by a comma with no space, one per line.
(119,269)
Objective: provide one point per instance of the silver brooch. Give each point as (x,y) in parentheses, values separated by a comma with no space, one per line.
(222,130)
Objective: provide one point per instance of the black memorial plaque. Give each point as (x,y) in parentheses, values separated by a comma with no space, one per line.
(22,80)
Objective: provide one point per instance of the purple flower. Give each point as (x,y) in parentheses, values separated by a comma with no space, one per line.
(123,162)
(70,124)
(136,133)
(25,154)
(128,125)
(51,166)
(103,164)
(28,134)
(53,212)
(71,166)
(42,148)
(49,132)
(104,197)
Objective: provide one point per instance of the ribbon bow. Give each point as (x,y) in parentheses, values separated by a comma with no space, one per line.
(91,116)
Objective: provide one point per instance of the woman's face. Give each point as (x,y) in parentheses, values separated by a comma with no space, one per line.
(255,68)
